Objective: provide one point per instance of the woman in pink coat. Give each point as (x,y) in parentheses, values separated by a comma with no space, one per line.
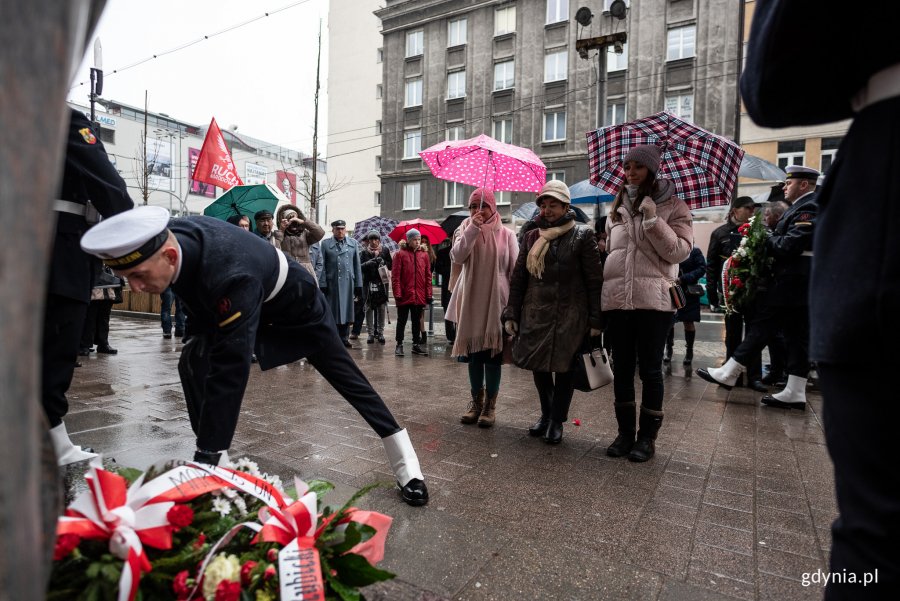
(483,256)
(649,232)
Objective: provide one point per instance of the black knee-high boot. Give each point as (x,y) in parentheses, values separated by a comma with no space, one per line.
(645,445)
(626,419)
(689,337)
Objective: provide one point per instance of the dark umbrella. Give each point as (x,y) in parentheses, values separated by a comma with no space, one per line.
(452,221)
(530,210)
(382,225)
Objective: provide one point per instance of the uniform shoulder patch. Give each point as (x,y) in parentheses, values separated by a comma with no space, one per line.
(88,135)
(805,216)
(223,306)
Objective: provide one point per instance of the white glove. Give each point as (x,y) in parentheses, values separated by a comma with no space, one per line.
(511,327)
(595,332)
(648,208)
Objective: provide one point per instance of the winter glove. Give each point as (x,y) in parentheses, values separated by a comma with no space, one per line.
(648,208)
(357,292)
(511,327)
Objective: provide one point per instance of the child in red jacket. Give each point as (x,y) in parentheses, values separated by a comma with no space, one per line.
(411,282)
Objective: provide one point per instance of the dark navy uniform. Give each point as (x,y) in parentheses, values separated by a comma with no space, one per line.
(224,280)
(855,282)
(88,175)
(784,304)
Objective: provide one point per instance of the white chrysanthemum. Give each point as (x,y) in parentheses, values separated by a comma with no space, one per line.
(241,506)
(743,242)
(246,465)
(275,480)
(230,493)
(222,506)
(222,567)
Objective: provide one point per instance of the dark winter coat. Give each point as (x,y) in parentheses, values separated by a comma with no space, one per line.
(689,272)
(555,313)
(722,243)
(411,278)
(375,292)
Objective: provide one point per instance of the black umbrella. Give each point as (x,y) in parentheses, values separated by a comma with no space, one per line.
(452,221)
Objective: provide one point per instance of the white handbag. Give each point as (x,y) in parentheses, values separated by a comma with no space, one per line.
(592,370)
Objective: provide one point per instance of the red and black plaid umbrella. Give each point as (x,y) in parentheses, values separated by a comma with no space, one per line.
(703,166)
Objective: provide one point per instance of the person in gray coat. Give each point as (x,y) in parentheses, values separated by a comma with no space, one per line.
(341,278)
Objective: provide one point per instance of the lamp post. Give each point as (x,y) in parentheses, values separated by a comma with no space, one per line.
(584,17)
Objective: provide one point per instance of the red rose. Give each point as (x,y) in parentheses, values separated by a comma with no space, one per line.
(744,228)
(228,590)
(269,573)
(272,555)
(245,572)
(180,585)
(180,516)
(201,540)
(735,261)
(65,544)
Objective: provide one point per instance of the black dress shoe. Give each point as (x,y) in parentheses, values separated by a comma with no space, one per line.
(370,340)
(540,427)
(346,343)
(381,340)
(415,492)
(179,333)
(771,401)
(643,450)
(84,351)
(106,349)
(418,350)
(705,375)
(167,336)
(758,386)
(622,445)
(78,364)
(554,432)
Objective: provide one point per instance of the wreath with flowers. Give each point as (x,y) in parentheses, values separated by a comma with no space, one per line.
(747,269)
(196,532)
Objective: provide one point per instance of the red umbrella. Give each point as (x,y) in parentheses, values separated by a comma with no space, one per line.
(426,227)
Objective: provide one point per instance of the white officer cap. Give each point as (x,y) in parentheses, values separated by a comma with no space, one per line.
(801,172)
(129,238)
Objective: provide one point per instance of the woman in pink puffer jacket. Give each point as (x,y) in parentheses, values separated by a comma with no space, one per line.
(649,232)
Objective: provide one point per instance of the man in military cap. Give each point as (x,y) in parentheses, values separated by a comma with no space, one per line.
(341,278)
(265,226)
(240,295)
(785,303)
(90,185)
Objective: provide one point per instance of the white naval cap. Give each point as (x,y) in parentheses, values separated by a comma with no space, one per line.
(129,238)
(801,172)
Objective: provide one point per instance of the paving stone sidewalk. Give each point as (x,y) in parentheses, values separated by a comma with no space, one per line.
(737,503)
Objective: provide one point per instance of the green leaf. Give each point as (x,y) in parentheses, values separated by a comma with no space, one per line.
(320,487)
(352,537)
(355,570)
(129,473)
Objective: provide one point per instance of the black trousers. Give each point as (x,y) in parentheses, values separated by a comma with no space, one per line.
(765,325)
(734,335)
(332,361)
(555,391)
(404,313)
(860,429)
(63,326)
(96,324)
(638,335)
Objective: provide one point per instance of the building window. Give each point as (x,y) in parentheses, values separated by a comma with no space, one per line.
(377,199)
(557,10)
(556,175)
(415,43)
(107,135)
(379,90)
(505,20)
(681,42)
(681,105)
(615,112)
(503,198)
(504,75)
(379,55)
(413,92)
(791,152)
(456,32)
(616,61)
(829,151)
(456,84)
(378,126)
(456,132)
(412,196)
(412,144)
(455,194)
(555,65)
(502,130)
(555,126)
(378,162)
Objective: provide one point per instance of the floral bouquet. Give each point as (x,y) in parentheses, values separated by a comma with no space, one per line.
(191,531)
(747,268)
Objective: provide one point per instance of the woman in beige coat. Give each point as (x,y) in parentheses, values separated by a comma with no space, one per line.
(649,233)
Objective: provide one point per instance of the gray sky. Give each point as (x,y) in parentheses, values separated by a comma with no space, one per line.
(259,76)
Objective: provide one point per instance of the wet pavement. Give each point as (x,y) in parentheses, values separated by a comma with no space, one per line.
(736,504)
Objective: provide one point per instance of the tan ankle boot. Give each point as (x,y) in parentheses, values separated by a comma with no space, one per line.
(487,414)
(475,407)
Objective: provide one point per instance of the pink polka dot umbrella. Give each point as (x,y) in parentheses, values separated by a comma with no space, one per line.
(486,163)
